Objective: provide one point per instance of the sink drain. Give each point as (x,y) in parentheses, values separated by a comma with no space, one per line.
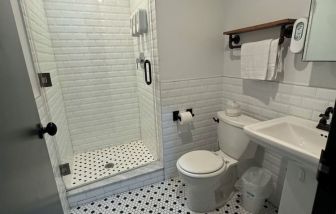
(109,165)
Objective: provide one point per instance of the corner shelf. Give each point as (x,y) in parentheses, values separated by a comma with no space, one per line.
(285,24)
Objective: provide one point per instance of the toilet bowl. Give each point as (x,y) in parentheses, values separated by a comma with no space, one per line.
(210,176)
(209,186)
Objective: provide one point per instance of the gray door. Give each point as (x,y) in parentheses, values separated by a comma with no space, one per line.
(27,184)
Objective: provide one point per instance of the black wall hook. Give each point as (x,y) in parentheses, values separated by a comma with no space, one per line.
(176,116)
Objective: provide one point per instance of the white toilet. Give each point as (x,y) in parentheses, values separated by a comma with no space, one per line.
(210,176)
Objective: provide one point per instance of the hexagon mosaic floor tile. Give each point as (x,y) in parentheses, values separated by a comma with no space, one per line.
(98,164)
(160,198)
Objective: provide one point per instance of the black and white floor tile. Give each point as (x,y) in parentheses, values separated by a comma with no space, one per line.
(165,197)
(98,164)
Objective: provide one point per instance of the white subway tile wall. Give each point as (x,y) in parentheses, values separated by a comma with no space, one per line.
(50,104)
(269,100)
(86,59)
(153,172)
(156,79)
(144,44)
(204,97)
(44,62)
(95,59)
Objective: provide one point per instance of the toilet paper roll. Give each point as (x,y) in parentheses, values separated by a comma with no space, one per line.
(186,118)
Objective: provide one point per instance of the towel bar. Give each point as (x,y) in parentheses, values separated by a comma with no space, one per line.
(285,31)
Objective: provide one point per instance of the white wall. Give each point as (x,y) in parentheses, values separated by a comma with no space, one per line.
(190,38)
(294,95)
(95,59)
(240,13)
(191,47)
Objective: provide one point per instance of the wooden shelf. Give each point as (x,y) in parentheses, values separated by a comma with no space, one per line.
(277,23)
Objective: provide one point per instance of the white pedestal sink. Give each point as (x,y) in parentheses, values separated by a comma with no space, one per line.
(298,140)
(292,137)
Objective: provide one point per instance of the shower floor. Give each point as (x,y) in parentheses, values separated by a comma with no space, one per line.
(98,164)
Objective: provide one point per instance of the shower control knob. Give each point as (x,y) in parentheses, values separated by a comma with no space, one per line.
(51,129)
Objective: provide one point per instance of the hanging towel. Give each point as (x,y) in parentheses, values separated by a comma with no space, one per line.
(279,68)
(274,62)
(254,60)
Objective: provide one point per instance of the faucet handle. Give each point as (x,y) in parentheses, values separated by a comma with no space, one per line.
(323,116)
(323,123)
(328,111)
(324,119)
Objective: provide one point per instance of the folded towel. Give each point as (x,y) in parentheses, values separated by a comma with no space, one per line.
(254,60)
(274,62)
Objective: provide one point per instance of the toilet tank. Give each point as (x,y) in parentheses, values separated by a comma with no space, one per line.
(232,139)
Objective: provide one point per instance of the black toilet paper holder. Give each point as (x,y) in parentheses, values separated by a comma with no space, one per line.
(176,116)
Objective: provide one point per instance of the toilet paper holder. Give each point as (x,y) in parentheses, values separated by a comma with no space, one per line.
(176,116)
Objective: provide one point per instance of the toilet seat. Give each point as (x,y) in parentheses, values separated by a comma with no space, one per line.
(201,164)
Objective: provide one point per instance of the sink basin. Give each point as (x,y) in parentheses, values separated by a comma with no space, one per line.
(291,136)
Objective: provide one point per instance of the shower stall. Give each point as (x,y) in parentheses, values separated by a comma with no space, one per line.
(92,73)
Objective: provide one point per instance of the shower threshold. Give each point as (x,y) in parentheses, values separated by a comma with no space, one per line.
(92,166)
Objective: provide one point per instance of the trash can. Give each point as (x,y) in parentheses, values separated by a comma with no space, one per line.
(255,186)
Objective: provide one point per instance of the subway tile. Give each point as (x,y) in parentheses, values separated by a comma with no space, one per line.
(325,94)
(271,100)
(204,96)
(315,104)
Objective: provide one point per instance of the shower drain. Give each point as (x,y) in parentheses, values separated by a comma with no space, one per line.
(109,165)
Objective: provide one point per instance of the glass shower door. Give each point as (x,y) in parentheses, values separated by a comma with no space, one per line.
(102,103)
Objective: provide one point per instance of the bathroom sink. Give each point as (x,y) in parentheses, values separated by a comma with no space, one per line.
(291,136)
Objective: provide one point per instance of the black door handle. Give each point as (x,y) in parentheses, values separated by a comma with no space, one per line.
(51,129)
(148,72)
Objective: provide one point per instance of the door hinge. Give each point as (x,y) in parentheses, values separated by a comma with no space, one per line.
(65,169)
(45,80)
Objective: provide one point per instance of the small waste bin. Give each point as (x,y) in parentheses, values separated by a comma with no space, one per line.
(255,186)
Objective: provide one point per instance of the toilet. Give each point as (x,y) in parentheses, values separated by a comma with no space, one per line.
(210,176)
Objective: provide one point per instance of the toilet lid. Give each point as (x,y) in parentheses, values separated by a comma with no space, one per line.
(200,162)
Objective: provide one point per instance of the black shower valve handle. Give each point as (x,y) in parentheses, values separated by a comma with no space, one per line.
(216,119)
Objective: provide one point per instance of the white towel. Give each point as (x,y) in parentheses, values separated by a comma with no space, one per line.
(254,60)
(274,62)
(279,68)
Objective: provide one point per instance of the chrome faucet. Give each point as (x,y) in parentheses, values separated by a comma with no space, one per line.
(141,60)
(323,123)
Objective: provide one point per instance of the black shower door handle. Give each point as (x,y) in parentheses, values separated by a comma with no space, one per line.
(148,72)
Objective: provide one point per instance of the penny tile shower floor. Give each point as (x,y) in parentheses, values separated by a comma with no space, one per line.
(98,164)
(165,197)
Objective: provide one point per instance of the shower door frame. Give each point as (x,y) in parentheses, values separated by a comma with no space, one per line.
(154,85)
